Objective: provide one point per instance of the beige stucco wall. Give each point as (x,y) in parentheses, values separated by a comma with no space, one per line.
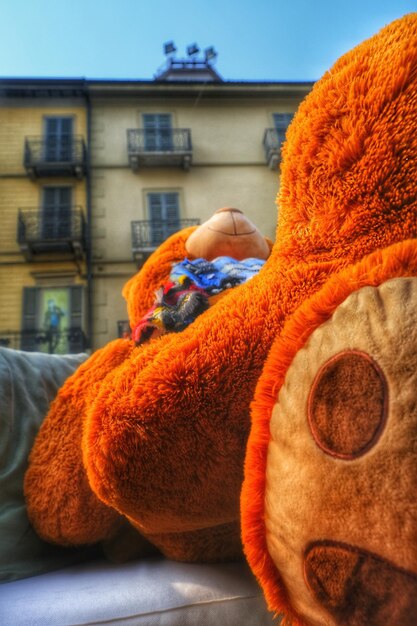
(120,197)
(222,131)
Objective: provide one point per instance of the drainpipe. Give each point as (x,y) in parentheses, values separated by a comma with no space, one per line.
(88,233)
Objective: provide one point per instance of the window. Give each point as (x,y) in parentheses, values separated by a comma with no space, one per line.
(158,132)
(56,212)
(52,319)
(58,139)
(123,329)
(281,123)
(164,218)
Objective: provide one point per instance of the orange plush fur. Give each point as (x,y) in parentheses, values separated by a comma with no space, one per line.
(164,429)
(349,200)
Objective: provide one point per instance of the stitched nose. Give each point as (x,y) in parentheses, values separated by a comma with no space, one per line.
(357,587)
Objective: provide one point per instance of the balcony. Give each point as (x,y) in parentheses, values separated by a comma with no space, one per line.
(147,235)
(272,145)
(68,341)
(43,232)
(45,157)
(159,148)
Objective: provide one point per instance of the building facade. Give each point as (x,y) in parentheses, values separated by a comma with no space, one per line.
(156,156)
(43,245)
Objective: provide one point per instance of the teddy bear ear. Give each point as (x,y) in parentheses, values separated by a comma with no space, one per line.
(228,233)
(340,438)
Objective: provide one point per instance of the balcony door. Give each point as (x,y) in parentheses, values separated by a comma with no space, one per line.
(56,212)
(163,210)
(158,132)
(58,139)
(281,123)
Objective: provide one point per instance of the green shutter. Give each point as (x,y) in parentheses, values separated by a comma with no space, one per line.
(164,215)
(171,208)
(29,318)
(76,341)
(172,214)
(56,212)
(157,121)
(155,207)
(158,131)
(281,123)
(58,138)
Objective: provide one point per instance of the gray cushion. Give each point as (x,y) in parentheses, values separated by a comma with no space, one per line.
(153,592)
(29,382)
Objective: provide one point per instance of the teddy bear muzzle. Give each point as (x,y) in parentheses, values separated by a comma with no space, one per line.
(354,585)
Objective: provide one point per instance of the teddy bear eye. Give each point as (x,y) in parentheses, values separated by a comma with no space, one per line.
(347,405)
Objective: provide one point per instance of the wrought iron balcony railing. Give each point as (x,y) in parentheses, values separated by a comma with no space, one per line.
(272,145)
(49,230)
(163,147)
(67,341)
(147,235)
(50,156)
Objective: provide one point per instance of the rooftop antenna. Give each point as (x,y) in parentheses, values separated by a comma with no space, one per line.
(192,50)
(169,48)
(210,54)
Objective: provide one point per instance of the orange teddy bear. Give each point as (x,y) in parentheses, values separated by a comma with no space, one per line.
(329,511)
(156,434)
(184,503)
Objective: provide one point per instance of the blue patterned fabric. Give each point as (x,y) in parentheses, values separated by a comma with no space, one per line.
(217,275)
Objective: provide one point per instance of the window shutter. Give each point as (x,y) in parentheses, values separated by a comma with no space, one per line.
(157,121)
(51,127)
(64,196)
(58,138)
(156,218)
(57,127)
(171,207)
(155,207)
(164,215)
(158,131)
(164,121)
(76,342)
(66,125)
(281,122)
(29,318)
(66,143)
(49,198)
(56,212)
(57,196)
(171,213)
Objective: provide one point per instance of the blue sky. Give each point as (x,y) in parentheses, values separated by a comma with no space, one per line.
(255,39)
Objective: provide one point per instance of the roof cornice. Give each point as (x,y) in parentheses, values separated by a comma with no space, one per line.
(179,89)
(126,89)
(42,87)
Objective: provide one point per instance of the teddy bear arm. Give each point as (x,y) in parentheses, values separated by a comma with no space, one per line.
(61,505)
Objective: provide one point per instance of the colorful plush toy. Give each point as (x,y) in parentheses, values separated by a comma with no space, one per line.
(329,507)
(156,434)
